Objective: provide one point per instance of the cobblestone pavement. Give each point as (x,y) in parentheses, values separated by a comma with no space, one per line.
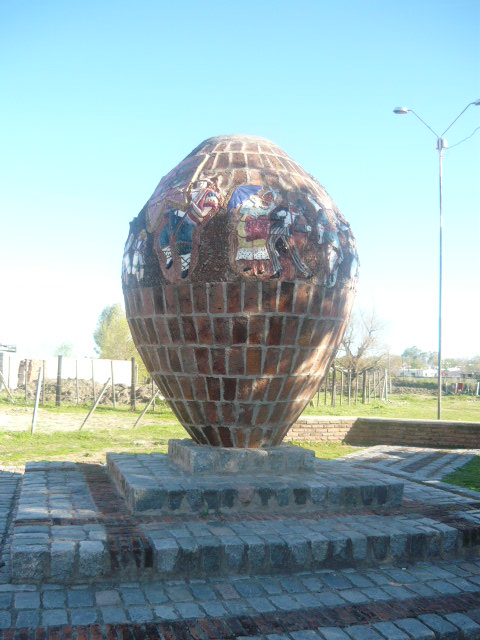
(428,599)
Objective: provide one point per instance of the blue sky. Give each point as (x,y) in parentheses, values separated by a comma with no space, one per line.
(100,99)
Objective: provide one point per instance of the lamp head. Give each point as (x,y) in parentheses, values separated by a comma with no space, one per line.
(477,103)
(400,110)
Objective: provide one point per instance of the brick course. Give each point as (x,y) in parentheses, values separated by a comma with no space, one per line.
(374,431)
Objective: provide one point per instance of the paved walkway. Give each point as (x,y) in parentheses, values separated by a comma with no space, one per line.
(424,600)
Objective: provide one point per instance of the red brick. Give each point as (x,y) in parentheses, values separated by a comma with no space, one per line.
(259,388)
(277,413)
(198,436)
(272,358)
(158,301)
(174,387)
(250,300)
(274,389)
(213,386)
(174,330)
(200,388)
(141,331)
(236,365)
(218,361)
(328,307)
(287,387)
(238,160)
(240,176)
(263,413)
(147,302)
(138,301)
(256,329)
(174,360)
(162,357)
(234,297)
(285,301)
(254,161)
(228,412)
(229,388)
(184,298)
(186,387)
(129,312)
(291,329)
(189,331)
(204,329)
(255,439)
(275,327)
(216,301)
(152,335)
(225,436)
(302,298)
(222,161)
(203,362)
(144,352)
(160,324)
(211,412)
(254,361)
(244,389)
(286,360)
(315,308)
(200,299)
(183,411)
(171,302)
(245,414)
(239,330)
(221,330)
(239,436)
(187,357)
(306,331)
(269,296)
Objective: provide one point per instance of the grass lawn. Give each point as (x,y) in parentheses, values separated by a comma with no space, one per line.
(467,476)
(421,406)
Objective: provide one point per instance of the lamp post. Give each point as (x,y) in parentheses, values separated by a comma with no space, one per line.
(440,146)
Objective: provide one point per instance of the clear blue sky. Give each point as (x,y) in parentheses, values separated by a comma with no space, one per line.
(99,99)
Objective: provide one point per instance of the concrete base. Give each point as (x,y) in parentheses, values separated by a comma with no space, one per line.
(197,458)
(152,484)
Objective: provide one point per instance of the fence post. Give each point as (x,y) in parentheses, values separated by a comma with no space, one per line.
(37,396)
(356,387)
(349,386)
(341,387)
(25,376)
(364,389)
(95,404)
(133,388)
(93,384)
(114,400)
(334,382)
(58,394)
(326,388)
(154,395)
(44,365)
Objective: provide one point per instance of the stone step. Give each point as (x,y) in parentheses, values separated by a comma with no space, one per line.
(153,484)
(267,546)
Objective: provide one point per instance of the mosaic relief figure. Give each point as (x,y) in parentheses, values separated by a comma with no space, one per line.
(134,256)
(176,232)
(265,229)
(172,191)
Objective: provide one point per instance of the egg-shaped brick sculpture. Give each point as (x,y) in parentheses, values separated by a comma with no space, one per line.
(239,275)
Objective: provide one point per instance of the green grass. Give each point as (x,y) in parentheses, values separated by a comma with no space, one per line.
(18,448)
(421,406)
(328,450)
(467,476)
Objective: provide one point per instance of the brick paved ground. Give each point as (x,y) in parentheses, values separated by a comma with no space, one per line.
(427,599)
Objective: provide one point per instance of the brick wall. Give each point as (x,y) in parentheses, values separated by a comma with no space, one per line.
(373,431)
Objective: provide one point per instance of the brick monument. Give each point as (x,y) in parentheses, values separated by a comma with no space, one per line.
(239,275)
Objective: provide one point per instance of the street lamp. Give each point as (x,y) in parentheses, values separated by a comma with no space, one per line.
(441,145)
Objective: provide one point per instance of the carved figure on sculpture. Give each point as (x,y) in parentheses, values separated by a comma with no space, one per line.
(134,256)
(178,226)
(285,221)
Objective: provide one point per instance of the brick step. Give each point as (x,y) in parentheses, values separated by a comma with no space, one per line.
(268,546)
(153,484)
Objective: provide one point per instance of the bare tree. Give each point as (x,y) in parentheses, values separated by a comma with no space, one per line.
(362,347)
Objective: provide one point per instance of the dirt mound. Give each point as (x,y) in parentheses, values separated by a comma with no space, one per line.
(84,393)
